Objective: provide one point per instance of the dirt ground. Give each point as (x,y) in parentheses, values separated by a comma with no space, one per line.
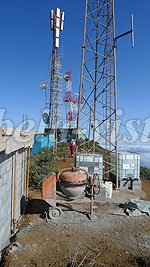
(108,240)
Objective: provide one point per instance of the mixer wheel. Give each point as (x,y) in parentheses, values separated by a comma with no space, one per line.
(54,213)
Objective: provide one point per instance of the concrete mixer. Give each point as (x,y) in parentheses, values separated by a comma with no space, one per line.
(70,184)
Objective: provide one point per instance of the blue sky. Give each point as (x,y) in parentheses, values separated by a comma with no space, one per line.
(26,44)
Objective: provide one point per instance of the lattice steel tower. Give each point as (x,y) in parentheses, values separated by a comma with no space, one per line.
(71,102)
(97,116)
(54,87)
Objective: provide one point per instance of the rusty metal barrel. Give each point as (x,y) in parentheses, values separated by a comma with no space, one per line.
(73,181)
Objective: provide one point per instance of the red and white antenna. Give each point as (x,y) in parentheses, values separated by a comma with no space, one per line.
(71,102)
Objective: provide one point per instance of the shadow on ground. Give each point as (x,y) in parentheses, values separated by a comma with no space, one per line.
(37,206)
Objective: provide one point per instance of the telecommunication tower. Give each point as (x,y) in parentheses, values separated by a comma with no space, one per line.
(54,87)
(71,102)
(97,116)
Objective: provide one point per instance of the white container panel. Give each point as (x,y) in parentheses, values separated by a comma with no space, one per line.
(81,158)
(109,188)
(90,161)
(85,168)
(128,165)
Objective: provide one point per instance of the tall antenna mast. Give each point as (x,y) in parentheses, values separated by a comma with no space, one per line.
(71,102)
(53,88)
(56,25)
(97,116)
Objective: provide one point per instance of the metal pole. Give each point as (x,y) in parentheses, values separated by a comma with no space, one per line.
(95,86)
(116,122)
(28,171)
(115,92)
(81,75)
(92,198)
(15,192)
(25,173)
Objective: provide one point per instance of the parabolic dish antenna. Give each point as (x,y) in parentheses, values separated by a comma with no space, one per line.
(45,118)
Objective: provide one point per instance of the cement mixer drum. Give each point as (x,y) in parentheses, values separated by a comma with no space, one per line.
(73,182)
(74,178)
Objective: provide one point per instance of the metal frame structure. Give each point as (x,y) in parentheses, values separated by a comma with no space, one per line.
(57,21)
(97,115)
(54,87)
(71,102)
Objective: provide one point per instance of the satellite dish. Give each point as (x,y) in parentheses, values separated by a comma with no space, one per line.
(45,118)
(66,77)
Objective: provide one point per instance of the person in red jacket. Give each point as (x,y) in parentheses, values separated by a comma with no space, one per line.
(72,147)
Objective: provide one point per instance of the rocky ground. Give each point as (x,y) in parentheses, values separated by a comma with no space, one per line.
(108,240)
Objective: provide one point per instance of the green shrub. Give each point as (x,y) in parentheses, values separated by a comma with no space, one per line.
(41,164)
(145,173)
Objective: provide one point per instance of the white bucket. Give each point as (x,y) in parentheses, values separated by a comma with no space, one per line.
(109,187)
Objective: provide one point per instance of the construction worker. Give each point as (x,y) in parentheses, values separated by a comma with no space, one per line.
(72,147)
